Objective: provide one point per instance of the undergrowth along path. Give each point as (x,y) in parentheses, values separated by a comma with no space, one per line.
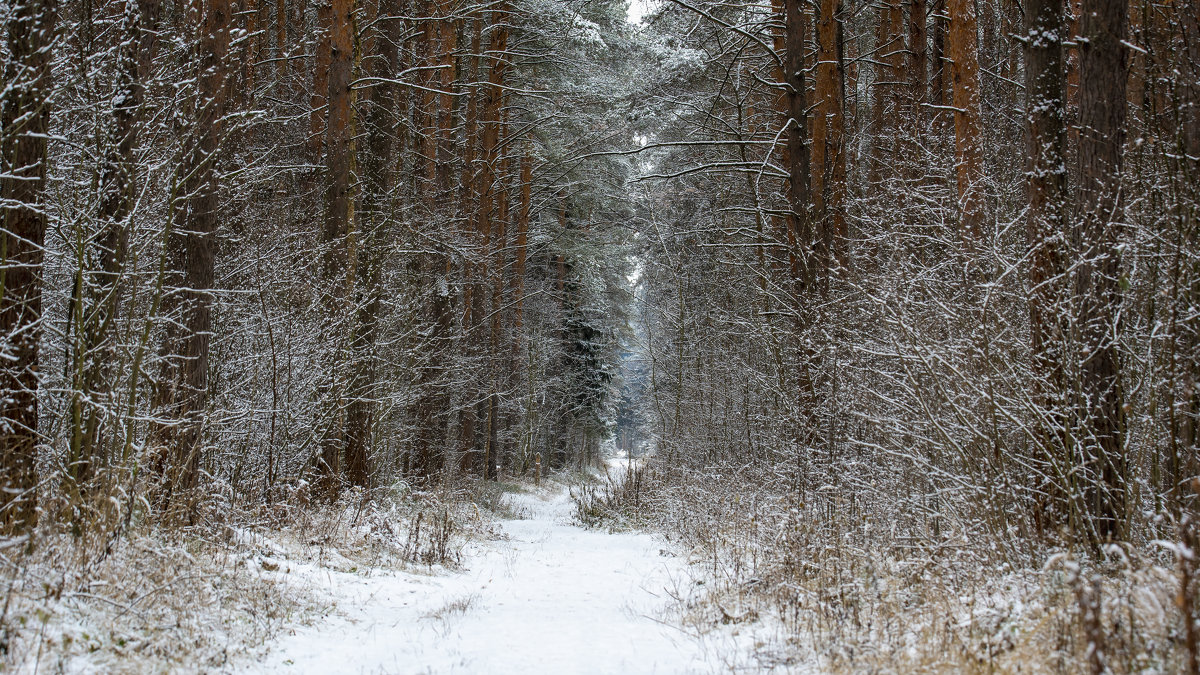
(552,598)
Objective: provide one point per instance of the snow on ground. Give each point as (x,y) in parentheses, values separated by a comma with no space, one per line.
(552,598)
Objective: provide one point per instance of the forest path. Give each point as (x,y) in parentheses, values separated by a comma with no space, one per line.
(553,598)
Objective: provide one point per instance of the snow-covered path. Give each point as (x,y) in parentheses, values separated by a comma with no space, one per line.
(554,598)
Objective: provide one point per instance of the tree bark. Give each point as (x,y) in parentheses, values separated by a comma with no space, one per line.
(968,132)
(432,405)
(447,45)
(518,276)
(182,391)
(376,219)
(918,65)
(336,235)
(809,250)
(280,40)
(469,201)
(1104,57)
(25,118)
(1190,13)
(320,90)
(889,54)
(499,361)
(1046,229)
(493,208)
(829,131)
(937,92)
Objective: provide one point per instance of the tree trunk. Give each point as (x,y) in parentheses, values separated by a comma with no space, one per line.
(493,101)
(447,45)
(469,201)
(1190,14)
(492,207)
(280,40)
(336,235)
(25,117)
(320,90)
(433,403)
(889,54)
(917,62)
(1046,227)
(500,375)
(518,277)
(829,130)
(376,219)
(250,50)
(1103,58)
(780,230)
(182,392)
(937,92)
(968,132)
(809,251)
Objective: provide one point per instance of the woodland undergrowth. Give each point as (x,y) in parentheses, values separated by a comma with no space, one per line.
(820,585)
(160,598)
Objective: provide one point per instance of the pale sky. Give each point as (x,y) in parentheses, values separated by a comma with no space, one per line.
(638,9)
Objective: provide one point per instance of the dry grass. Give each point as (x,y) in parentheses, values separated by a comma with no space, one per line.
(820,589)
(612,500)
(202,599)
(160,601)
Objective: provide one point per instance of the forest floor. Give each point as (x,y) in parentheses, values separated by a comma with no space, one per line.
(545,596)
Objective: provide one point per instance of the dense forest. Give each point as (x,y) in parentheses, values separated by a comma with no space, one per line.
(899,301)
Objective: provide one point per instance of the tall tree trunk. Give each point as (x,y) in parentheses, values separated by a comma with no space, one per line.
(885,99)
(937,90)
(1190,13)
(829,131)
(1183,459)
(499,357)
(447,46)
(492,197)
(780,230)
(281,40)
(518,364)
(336,235)
(518,276)
(493,102)
(889,55)
(320,78)
(809,250)
(182,391)
(918,65)
(376,216)
(24,126)
(1046,228)
(469,206)
(968,132)
(250,50)
(432,406)
(1104,57)
(1136,87)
